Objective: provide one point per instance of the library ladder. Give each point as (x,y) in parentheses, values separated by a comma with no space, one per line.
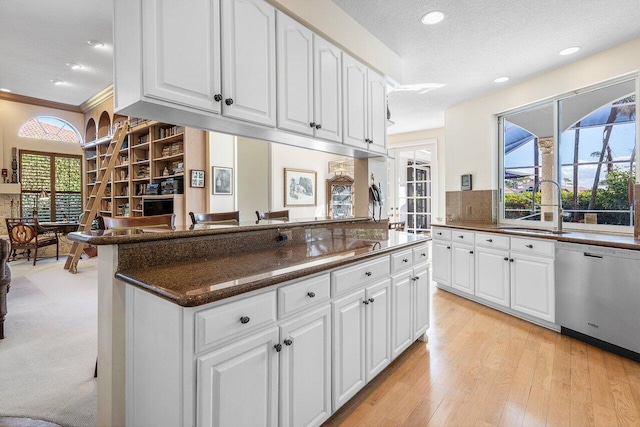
(93,205)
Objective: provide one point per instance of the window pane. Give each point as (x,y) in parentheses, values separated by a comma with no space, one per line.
(50,128)
(68,174)
(35,172)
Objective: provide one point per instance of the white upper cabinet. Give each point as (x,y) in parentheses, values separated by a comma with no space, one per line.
(327,90)
(181,63)
(249,61)
(354,81)
(377,112)
(295,76)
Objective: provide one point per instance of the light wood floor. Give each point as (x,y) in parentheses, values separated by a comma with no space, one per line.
(482,367)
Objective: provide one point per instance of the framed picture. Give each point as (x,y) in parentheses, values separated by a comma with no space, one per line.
(197,178)
(300,187)
(222,180)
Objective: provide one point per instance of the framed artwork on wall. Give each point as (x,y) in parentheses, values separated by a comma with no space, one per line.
(300,187)
(197,178)
(222,180)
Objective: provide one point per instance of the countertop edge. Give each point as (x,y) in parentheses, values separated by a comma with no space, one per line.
(260,283)
(579,237)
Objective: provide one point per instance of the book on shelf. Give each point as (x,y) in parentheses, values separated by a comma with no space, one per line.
(143,139)
(165,132)
(135,121)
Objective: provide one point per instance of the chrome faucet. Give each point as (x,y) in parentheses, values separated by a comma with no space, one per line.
(559,205)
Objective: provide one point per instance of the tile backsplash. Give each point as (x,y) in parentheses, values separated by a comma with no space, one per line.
(472,206)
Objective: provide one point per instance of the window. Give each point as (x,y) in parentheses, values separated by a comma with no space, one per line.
(49,128)
(413,182)
(586,142)
(51,186)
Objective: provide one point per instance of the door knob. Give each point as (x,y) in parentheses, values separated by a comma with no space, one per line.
(318,126)
(371,299)
(365,302)
(244,320)
(311,294)
(278,347)
(312,124)
(288,342)
(228,101)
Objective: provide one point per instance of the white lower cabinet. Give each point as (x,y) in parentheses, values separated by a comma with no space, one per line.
(378,323)
(492,275)
(441,262)
(401,336)
(462,268)
(237,385)
(533,286)
(421,297)
(305,369)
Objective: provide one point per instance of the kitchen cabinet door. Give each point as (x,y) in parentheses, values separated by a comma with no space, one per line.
(378,321)
(421,297)
(181,63)
(305,369)
(462,268)
(441,262)
(533,286)
(295,76)
(401,313)
(354,93)
(348,347)
(376,112)
(223,397)
(492,275)
(249,61)
(327,90)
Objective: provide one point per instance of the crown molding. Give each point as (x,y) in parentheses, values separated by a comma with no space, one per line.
(96,99)
(6,96)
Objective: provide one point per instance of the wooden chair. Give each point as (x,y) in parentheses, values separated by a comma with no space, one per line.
(398,226)
(26,233)
(281,215)
(156,221)
(215,218)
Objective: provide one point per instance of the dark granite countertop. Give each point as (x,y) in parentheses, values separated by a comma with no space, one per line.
(200,281)
(144,234)
(612,240)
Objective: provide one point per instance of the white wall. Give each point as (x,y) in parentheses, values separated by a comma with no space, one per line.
(12,117)
(252,177)
(283,156)
(471,129)
(221,152)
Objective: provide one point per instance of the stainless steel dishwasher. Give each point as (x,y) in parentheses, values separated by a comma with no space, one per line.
(598,294)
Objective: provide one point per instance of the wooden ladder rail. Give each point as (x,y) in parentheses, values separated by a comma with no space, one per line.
(106,168)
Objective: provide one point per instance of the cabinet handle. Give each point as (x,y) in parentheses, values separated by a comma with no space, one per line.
(471,252)
(448,247)
(288,342)
(462,237)
(489,240)
(371,141)
(405,260)
(228,101)
(318,126)
(217,97)
(371,300)
(311,294)
(312,124)
(439,234)
(529,246)
(244,320)
(511,260)
(365,302)
(368,273)
(278,347)
(506,258)
(423,254)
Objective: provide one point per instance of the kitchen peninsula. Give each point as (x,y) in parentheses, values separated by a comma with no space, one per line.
(222,324)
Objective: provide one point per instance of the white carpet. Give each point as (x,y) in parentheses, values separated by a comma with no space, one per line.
(49,351)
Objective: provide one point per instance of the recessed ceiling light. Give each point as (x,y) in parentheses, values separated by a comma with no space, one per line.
(433,17)
(501,79)
(2,89)
(569,50)
(57,82)
(95,43)
(74,66)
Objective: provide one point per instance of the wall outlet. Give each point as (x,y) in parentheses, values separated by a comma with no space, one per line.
(285,235)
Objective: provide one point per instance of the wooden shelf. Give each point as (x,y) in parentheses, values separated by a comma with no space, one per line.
(141,162)
(172,138)
(143,145)
(167,158)
(121,181)
(179,175)
(141,179)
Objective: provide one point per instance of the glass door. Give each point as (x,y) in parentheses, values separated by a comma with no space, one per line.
(413,190)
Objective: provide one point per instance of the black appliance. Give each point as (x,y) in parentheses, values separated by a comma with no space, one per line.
(151,207)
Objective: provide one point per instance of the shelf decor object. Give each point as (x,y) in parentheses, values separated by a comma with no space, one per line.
(197,178)
(222,180)
(300,187)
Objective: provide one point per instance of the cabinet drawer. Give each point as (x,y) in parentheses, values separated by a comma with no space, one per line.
(302,294)
(441,233)
(420,254)
(533,246)
(401,260)
(459,236)
(495,241)
(218,324)
(356,276)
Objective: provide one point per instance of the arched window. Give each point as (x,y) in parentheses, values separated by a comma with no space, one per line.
(50,128)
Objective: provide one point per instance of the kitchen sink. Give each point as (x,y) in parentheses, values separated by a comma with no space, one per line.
(531,230)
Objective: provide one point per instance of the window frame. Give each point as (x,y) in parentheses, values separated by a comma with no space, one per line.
(52,179)
(80,140)
(557,161)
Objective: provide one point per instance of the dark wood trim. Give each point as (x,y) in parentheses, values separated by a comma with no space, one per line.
(39,102)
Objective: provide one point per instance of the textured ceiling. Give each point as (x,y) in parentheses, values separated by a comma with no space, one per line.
(37,39)
(477,42)
(481,40)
